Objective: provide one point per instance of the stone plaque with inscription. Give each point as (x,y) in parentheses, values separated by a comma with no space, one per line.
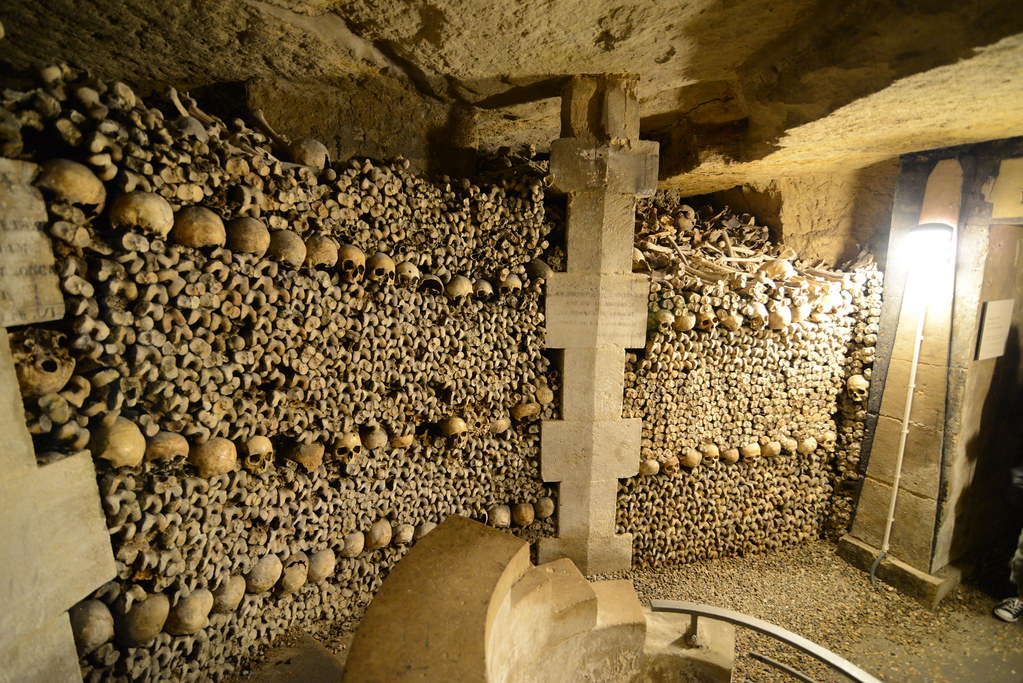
(593,311)
(29,289)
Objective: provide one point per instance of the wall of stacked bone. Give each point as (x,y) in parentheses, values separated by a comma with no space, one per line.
(286,370)
(751,388)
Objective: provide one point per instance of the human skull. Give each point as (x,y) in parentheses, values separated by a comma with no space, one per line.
(522,514)
(354,544)
(730,320)
(499,516)
(348,448)
(309,152)
(353,263)
(431,283)
(526,410)
(248,236)
(706,319)
(509,285)
(214,457)
(308,455)
(662,320)
(286,247)
(120,442)
(756,315)
(858,388)
(458,289)
(379,534)
(670,465)
(453,428)
(685,321)
(189,128)
(373,436)
(407,274)
(500,425)
(779,317)
(166,446)
(146,212)
(197,226)
(649,467)
(91,624)
(710,452)
(41,362)
(320,251)
(730,456)
(380,268)
(294,576)
(403,534)
(142,621)
(259,455)
(538,269)
(778,269)
(807,446)
(321,565)
(264,574)
(399,439)
(229,594)
(483,290)
(191,613)
(72,182)
(800,311)
(750,451)
(544,507)
(690,457)
(828,440)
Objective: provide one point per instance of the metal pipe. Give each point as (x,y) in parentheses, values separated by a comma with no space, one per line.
(910,390)
(795,673)
(843,666)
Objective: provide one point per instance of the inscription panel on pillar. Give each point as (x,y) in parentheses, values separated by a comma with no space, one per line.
(593,311)
(29,289)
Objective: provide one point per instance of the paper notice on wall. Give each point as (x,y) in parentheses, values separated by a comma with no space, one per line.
(995,320)
(29,289)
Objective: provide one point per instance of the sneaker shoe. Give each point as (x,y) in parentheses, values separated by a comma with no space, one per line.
(1010,609)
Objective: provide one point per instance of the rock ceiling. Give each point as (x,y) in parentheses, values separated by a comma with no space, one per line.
(734,90)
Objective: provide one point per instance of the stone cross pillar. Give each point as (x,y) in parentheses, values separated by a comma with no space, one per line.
(595,311)
(54,546)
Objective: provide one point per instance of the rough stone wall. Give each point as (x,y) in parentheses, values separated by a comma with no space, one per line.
(828,216)
(751,427)
(367,116)
(281,390)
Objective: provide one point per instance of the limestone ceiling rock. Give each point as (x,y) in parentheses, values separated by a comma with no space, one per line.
(730,88)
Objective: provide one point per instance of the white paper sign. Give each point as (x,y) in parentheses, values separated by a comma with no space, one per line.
(995,320)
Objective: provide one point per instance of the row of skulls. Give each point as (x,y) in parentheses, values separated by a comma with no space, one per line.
(150,215)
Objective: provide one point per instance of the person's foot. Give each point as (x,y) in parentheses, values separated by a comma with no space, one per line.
(1010,609)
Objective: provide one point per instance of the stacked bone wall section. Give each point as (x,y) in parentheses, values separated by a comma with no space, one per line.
(286,372)
(752,389)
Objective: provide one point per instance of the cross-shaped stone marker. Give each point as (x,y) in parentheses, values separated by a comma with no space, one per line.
(596,310)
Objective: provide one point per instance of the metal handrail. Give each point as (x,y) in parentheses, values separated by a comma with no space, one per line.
(696,610)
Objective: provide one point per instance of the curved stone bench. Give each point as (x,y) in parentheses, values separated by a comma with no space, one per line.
(465,604)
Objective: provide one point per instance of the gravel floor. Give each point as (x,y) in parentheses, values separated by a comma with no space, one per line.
(812,592)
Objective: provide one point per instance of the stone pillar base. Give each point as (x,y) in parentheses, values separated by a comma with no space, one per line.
(593,555)
(927,589)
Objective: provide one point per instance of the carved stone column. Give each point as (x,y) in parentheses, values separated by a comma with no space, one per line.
(54,547)
(595,311)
